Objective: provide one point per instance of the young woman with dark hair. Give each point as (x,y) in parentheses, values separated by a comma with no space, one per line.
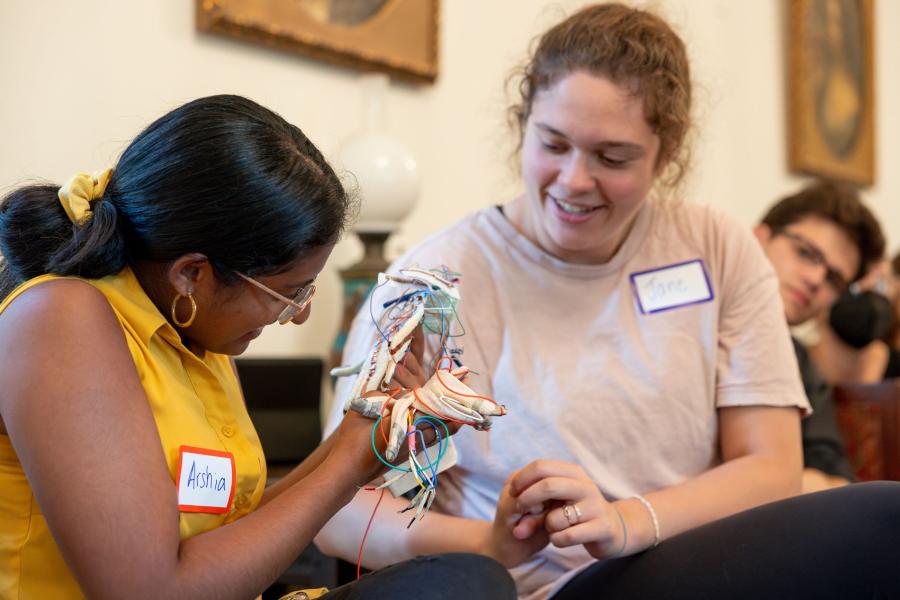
(129,467)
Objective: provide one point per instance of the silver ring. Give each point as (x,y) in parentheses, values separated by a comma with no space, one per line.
(568,509)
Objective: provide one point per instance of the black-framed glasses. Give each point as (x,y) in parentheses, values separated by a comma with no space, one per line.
(809,253)
(295,305)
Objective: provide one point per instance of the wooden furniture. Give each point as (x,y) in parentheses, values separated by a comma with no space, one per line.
(868,416)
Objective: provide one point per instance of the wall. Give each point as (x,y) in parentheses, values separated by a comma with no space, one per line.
(81,78)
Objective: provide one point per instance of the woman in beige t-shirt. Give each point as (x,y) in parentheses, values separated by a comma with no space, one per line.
(641,350)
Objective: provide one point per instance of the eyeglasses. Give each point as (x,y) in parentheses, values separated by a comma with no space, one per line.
(294,306)
(811,255)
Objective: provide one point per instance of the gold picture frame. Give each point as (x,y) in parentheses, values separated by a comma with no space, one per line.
(831,89)
(399,37)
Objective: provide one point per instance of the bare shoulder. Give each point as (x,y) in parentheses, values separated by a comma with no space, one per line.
(43,313)
(75,410)
(60,330)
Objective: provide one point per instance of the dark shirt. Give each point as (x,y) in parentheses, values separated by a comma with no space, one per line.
(892,370)
(823,448)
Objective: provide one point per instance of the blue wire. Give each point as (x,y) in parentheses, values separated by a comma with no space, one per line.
(432,481)
(442,449)
(372,314)
(440,443)
(437,299)
(402,298)
(378,454)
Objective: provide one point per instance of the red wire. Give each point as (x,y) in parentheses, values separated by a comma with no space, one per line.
(365,535)
(383,432)
(440,362)
(391,393)
(449,389)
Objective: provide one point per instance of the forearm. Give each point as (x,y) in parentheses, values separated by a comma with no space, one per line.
(243,558)
(306,467)
(762,462)
(736,485)
(389,541)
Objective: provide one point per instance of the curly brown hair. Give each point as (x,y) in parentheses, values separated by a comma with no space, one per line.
(629,46)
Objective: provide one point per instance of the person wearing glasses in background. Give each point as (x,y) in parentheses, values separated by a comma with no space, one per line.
(820,241)
(129,467)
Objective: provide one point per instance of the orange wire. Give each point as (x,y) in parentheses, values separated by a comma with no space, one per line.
(391,393)
(365,535)
(440,361)
(383,433)
(438,373)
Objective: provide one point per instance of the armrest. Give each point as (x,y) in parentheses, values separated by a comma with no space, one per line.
(868,416)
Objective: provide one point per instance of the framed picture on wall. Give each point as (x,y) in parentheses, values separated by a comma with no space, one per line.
(831,89)
(399,37)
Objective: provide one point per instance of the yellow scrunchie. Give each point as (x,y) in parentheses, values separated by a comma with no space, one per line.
(77,193)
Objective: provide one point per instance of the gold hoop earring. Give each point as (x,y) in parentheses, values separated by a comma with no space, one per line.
(184,324)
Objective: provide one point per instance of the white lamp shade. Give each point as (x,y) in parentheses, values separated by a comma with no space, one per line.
(387,178)
(386,172)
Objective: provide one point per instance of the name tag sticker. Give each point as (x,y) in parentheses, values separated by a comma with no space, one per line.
(205,480)
(664,288)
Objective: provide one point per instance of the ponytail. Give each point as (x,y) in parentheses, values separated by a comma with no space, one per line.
(37,237)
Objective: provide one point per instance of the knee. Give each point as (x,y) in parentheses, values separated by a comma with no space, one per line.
(877,495)
(874,506)
(472,576)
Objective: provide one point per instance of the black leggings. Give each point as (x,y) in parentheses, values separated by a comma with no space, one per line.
(439,576)
(842,543)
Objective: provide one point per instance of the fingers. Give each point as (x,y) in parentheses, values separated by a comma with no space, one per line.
(409,372)
(413,364)
(593,524)
(556,499)
(542,469)
(564,489)
(568,515)
(522,526)
(594,532)
(407,378)
(527,525)
(370,404)
(417,347)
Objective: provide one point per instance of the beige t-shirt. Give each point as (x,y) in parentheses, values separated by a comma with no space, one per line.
(587,376)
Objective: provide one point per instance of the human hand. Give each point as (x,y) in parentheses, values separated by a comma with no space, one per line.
(351,448)
(514,537)
(576,511)
(409,372)
(817,481)
(356,431)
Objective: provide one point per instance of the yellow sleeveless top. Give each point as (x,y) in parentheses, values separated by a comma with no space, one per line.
(195,402)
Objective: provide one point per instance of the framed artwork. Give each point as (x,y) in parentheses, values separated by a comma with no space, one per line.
(831,89)
(399,37)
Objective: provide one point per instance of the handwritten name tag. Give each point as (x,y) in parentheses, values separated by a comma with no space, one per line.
(205,480)
(671,286)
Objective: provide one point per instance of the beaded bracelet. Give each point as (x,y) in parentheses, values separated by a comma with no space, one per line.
(652,512)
